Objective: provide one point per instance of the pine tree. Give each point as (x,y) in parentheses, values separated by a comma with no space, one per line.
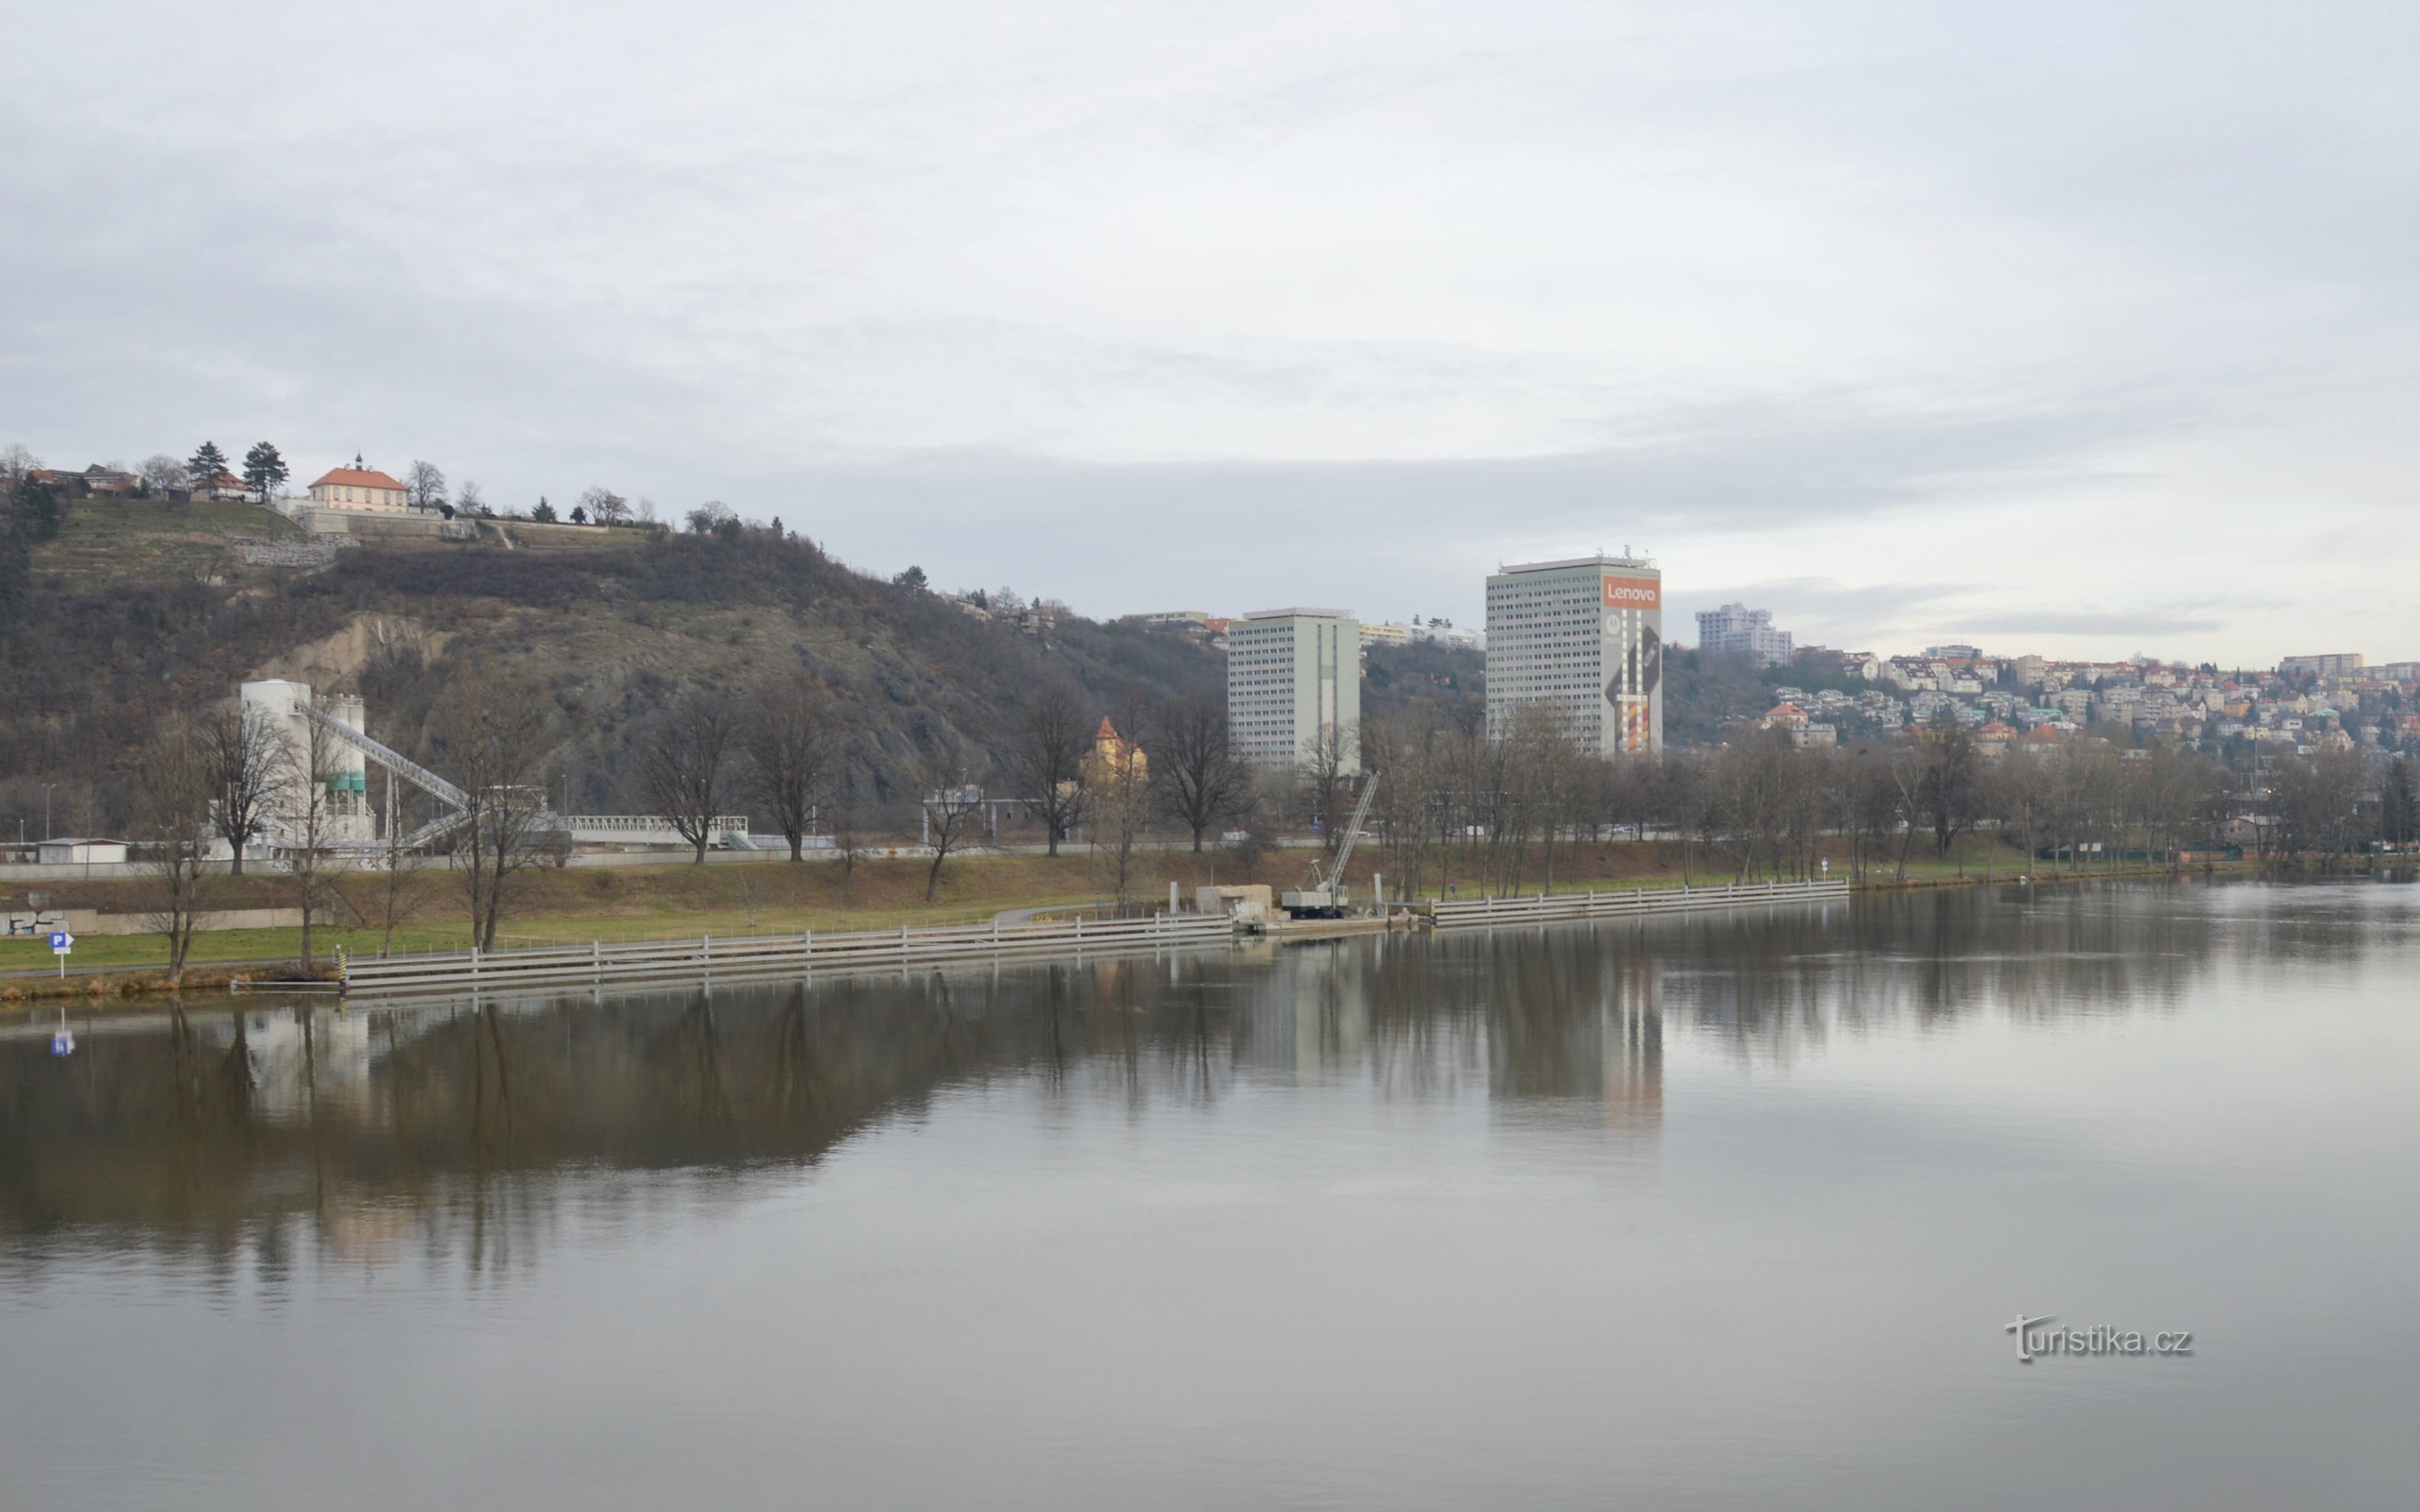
(264,470)
(205,465)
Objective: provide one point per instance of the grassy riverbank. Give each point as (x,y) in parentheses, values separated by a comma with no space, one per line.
(676,900)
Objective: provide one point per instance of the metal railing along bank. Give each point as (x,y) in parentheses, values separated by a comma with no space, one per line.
(1636,900)
(689,959)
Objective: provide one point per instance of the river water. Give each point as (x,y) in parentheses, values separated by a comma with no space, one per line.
(1714,1212)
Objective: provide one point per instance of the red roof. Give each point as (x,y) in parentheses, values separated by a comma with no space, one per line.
(357,479)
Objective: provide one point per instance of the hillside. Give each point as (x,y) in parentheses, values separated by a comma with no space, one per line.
(136,610)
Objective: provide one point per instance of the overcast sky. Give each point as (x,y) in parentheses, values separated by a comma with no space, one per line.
(2077,328)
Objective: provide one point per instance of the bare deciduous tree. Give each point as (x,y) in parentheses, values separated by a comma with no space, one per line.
(1946,795)
(682,765)
(1202,781)
(425,485)
(488,733)
(1325,779)
(180,779)
(791,743)
(306,812)
(847,845)
(250,763)
(394,900)
(2316,798)
(162,473)
(949,795)
(1047,740)
(604,506)
(1408,752)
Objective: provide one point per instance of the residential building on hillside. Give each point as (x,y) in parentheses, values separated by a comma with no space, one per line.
(1584,636)
(225,487)
(358,487)
(99,480)
(2330,665)
(1294,683)
(1438,632)
(1748,631)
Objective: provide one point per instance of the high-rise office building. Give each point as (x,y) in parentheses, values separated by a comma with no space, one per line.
(1293,680)
(1748,631)
(1585,636)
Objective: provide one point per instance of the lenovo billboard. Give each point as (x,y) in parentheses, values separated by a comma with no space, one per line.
(1634,593)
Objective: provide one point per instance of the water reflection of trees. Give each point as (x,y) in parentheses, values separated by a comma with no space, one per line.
(460,1132)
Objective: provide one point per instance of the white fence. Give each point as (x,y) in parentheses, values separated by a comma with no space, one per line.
(645,829)
(789,955)
(1602,905)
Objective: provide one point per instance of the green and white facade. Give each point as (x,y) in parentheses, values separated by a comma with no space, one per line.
(1293,679)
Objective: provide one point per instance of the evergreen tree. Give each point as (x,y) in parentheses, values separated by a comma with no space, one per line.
(40,512)
(205,464)
(264,470)
(544,513)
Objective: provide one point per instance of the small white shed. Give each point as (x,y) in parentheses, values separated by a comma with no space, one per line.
(71,853)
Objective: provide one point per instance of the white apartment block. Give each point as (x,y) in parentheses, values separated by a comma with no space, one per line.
(1294,680)
(1584,636)
(1747,631)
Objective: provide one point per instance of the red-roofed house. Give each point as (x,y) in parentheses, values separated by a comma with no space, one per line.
(358,488)
(225,486)
(1787,716)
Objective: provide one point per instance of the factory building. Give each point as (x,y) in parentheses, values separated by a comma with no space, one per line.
(346,816)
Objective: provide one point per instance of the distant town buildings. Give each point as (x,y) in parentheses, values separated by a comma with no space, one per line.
(1584,636)
(2032,703)
(1750,632)
(1294,685)
(2333,665)
(358,487)
(1444,632)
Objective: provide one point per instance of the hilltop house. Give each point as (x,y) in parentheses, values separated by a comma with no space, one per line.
(358,488)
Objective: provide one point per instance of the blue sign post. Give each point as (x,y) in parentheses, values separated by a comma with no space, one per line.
(60,944)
